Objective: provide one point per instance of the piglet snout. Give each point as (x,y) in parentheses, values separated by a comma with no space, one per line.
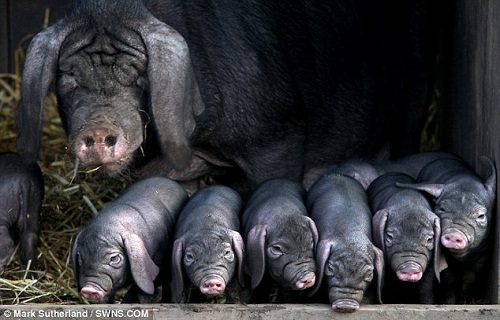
(454,239)
(409,272)
(213,285)
(345,305)
(306,280)
(92,293)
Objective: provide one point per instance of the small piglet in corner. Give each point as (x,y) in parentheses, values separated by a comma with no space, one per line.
(408,232)
(208,247)
(280,237)
(345,255)
(21,190)
(127,241)
(464,202)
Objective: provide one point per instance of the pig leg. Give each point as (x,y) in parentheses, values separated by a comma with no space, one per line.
(6,246)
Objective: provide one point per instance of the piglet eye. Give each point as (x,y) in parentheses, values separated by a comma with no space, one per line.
(481,219)
(115,260)
(275,251)
(430,241)
(188,259)
(369,276)
(388,238)
(229,255)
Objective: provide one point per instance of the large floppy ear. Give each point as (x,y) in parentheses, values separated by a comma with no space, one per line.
(314,230)
(323,250)
(40,69)
(378,225)
(239,250)
(439,259)
(256,261)
(177,275)
(378,262)
(491,182)
(434,189)
(174,94)
(144,270)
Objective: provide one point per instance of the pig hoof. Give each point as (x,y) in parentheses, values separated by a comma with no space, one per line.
(213,286)
(306,281)
(409,272)
(90,292)
(454,240)
(345,305)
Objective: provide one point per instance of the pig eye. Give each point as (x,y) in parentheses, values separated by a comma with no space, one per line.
(229,255)
(115,260)
(388,239)
(369,276)
(481,219)
(275,251)
(430,242)
(188,259)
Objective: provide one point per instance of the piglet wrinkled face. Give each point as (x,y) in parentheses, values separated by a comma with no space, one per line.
(100,271)
(210,264)
(290,259)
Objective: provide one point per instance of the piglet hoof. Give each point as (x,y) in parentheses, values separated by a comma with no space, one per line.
(91,293)
(345,305)
(409,272)
(212,286)
(454,239)
(306,281)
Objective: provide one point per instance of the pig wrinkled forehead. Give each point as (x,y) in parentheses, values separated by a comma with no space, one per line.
(293,228)
(96,240)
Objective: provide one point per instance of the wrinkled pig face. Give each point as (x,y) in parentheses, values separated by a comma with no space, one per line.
(100,269)
(210,263)
(348,274)
(464,222)
(409,245)
(100,91)
(290,258)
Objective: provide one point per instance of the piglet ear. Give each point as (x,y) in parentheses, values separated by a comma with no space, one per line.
(491,182)
(434,189)
(378,262)
(256,259)
(74,261)
(314,230)
(378,225)
(439,260)
(177,275)
(322,253)
(239,249)
(144,270)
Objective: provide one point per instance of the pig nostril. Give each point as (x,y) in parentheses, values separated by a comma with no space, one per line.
(89,142)
(110,140)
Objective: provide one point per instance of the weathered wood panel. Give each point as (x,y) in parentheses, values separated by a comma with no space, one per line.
(472,121)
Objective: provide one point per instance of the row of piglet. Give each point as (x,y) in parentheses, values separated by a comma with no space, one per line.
(358,223)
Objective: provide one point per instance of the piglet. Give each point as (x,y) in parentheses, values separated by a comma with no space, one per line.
(208,247)
(127,241)
(345,254)
(21,189)
(280,237)
(464,202)
(408,232)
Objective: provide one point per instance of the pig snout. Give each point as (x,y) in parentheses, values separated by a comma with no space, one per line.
(92,292)
(305,280)
(409,272)
(212,285)
(101,145)
(454,239)
(345,305)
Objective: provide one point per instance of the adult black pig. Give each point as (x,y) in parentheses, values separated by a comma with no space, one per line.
(127,241)
(408,232)
(204,81)
(279,236)
(208,247)
(21,193)
(345,255)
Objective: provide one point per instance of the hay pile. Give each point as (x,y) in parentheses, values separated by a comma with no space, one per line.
(72,198)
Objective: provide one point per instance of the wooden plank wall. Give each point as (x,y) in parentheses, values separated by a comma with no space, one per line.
(472,125)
